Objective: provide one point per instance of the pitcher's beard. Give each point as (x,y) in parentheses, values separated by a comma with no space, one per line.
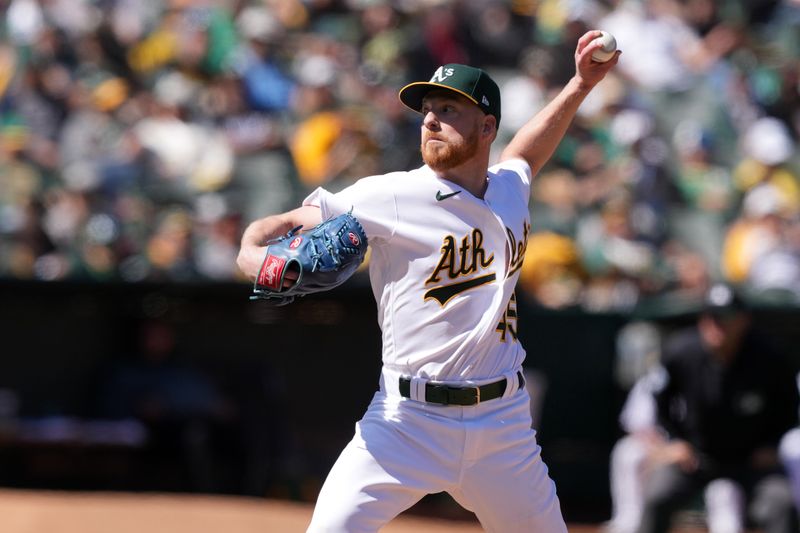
(449,155)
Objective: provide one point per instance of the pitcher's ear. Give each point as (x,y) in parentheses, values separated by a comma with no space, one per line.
(489,124)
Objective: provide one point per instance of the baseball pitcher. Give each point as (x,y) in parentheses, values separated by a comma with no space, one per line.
(447,243)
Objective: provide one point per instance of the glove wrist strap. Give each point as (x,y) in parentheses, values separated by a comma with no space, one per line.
(270,275)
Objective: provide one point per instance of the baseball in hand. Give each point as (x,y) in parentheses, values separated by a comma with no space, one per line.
(606,51)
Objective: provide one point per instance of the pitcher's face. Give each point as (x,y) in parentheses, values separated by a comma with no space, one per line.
(450,130)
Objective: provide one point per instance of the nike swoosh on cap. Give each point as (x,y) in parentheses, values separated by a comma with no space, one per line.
(440,196)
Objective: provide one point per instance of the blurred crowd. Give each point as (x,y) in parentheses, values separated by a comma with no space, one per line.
(139,137)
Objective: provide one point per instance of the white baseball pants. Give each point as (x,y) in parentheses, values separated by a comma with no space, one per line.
(486,456)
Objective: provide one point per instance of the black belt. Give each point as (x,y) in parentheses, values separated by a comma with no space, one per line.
(450,395)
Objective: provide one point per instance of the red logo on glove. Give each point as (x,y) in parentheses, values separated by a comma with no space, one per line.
(271,272)
(354,238)
(295,242)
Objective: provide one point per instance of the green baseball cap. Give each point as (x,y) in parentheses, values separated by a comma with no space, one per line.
(471,82)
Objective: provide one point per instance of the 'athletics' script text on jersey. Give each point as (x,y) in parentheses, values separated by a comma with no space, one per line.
(461,261)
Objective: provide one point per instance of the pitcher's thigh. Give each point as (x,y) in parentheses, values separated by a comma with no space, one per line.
(360,496)
(513,497)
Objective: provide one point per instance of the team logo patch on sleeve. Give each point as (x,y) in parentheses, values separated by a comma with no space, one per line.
(272,272)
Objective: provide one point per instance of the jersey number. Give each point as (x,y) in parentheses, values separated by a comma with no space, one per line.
(507,327)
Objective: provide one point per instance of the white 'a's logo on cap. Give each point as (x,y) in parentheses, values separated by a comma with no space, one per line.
(485,101)
(442,74)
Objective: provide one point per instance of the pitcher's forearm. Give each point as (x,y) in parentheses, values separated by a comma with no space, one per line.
(260,232)
(539,137)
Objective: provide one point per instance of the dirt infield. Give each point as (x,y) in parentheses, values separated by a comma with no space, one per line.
(60,512)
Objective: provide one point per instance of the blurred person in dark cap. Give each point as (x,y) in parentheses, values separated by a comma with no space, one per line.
(727,401)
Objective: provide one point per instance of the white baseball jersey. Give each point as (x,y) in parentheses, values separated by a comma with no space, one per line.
(443,268)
